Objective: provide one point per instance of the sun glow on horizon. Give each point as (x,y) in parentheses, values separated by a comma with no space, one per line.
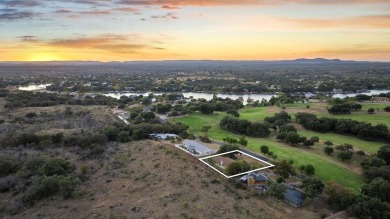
(45,56)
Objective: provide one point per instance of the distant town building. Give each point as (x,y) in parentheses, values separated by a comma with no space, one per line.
(11,88)
(380,99)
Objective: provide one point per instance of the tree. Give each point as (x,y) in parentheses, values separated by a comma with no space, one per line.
(310,170)
(315,139)
(371,110)
(230,140)
(345,155)
(387,109)
(264,149)
(360,153)
(344,147)
(384,153)
(227,147)
(242,141)
(308,143)
(111,133)
(356,106)
(375,172)
(205,129)
(378,188)
(328,143)
(287,128)
(124,136)
(292,138)
(276,190)
(369,207)
(281,136)
(343,108)
(233,112)
(373,161)
(337,195)
(328,150)
(237,167)
(206,108)
(274,156)
(313,186)
(284,169)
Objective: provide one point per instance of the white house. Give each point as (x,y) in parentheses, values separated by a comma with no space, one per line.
(197,148)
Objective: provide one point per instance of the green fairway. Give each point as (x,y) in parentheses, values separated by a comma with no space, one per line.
(254,114)
(362,117)
(377,118)
(326,168)
(367,146)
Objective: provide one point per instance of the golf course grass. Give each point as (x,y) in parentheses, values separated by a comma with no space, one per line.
(327,169)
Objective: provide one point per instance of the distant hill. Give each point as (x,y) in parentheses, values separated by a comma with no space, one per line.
(184,62)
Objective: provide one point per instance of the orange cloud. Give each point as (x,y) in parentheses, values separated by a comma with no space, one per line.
(112,43)
(244,2)
(170,7)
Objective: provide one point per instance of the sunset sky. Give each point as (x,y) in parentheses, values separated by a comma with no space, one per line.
(120,30)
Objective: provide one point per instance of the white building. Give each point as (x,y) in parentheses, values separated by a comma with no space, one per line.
(197,148)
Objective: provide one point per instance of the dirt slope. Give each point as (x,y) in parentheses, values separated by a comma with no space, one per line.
(156,180)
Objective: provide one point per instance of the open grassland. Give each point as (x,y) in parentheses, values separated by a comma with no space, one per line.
(326,168)
(320,109)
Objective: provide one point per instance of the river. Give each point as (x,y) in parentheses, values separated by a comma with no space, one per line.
(207,96)
(369,93)
(33,87)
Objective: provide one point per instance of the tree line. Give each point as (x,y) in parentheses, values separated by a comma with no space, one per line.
(363,130)
(245,127)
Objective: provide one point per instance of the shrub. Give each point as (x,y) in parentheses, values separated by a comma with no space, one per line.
(371,110)
(97,149)
(31,115)
(55,166)
(46,186)
(205,139)
(309,169)
(8,165)
(124,137)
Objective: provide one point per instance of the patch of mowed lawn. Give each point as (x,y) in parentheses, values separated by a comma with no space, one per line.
(326,169)
(254,113)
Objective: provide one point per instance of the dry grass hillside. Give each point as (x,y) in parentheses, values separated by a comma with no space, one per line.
(150,179)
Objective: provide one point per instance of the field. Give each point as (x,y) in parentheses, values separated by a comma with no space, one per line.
(327,167)
(320,110)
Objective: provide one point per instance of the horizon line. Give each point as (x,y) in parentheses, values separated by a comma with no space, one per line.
(238,60)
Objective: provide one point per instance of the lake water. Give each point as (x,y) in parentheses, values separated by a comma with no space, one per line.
(207,96)
(33,87)
(371,92)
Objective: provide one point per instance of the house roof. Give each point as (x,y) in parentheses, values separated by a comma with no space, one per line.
(293,195)
(198,147)
(258,177)
(163,136)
